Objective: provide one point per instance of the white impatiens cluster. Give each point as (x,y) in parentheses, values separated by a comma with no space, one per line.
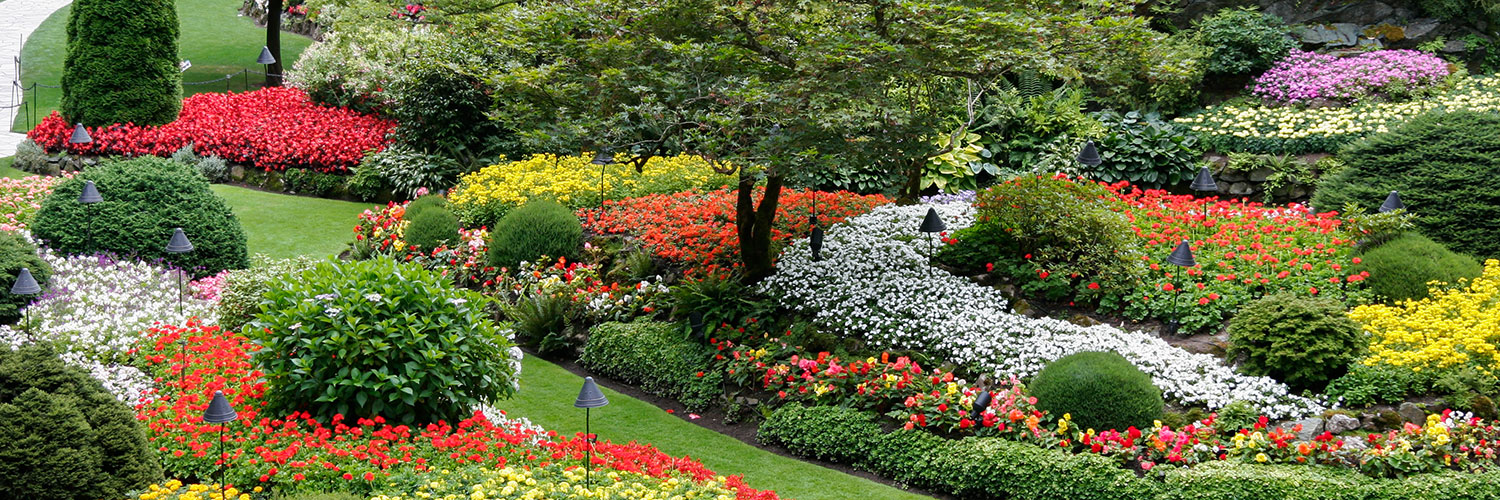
(874,280)
(94,311)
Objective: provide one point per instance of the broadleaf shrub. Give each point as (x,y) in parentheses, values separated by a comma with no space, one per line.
(1400,269)
(121,72)
(239,300)
(1448,173)
(1101,390)
(17,253)
(1143,149)
(378,337)
(1243,40)
(832,433)
(657,357)
(144,199)
(1303,341)
(63,436)
(539,228)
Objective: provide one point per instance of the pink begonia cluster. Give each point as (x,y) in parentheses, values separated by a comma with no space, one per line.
(1304,77)
(20,199)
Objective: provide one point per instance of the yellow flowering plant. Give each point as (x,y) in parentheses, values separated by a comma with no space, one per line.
(555,481)
(482,197)
(1453,329)
(175,490)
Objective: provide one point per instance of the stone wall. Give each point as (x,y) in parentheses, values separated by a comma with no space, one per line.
(1252,183)
(1334,24)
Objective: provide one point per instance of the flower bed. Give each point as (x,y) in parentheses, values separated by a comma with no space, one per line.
(1453,329)
(1292,130)
(1385,75)
(20,199)
(875,282)
(274,129)
(481,198)
(697,229)
(298,453)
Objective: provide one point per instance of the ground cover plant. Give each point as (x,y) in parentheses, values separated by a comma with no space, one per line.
(1385,75)
(273,129)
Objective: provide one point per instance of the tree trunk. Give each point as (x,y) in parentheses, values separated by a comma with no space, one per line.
(754,226)
(273,41)
(912,191)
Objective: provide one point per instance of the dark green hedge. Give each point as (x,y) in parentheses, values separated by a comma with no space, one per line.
(121,64)
(657,357)
(822,432)
(17,253)
(1401,268)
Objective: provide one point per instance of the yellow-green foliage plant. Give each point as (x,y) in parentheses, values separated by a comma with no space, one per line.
(1453,329)
(482,197)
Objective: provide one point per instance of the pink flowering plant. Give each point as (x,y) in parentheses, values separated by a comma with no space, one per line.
(20,199)
(1389,75)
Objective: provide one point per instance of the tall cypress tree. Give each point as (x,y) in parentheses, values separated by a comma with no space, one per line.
(121,64)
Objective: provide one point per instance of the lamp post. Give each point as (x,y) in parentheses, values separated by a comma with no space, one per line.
(80,135)
(981,403)
(1392,203)
(1089,155)
(179,244)
(932,223)
(267,60)
(816,240)
(602,159)
(25,285)
(589,397)
(220,412)
(88,198)
(1182,257)
(1204,182)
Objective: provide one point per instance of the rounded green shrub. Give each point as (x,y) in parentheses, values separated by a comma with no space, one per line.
(144,199)
(1101,390)
(378,337)
(121,63)
(538,228)
(432,228)
(423,203)
(1303,341)
(1401,268)
(1243,40)
(1446,167)
(15,254)
(239,300)
(63,436)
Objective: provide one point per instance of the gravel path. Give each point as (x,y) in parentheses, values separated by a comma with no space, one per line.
(18,18)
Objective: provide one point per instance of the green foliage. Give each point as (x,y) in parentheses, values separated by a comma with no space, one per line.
(1303,341)
(424,203)
(239,300)
(832,433)
(1402,268)
(213,168)
(1020,122)
(144,199)
(976,468)
(432,228)
(311,182)
(121,72)
(63,436)
(544,321)
(1467,388)
(721,300)
(538,228)
(656,357)
(1100,389)
(1230,480)
(17,253)
(1243,40)
(1143,149)
(378,337)
(958,168)
(366,183)
(1366,385)
(1448,173)
(1285,170)
(30,157)
(406,171)
(1238,415)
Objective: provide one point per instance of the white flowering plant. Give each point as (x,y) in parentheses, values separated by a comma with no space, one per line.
(875,281)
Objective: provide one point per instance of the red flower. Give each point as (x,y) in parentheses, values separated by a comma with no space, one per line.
(1093,286)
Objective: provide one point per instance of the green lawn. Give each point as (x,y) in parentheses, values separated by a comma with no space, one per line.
(214,38)
(282,225)
(8,171)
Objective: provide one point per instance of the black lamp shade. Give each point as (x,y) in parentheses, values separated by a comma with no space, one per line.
(1392,202)
(1090,155)
(179,243)
(219,410)
(90,194)
(981,403)
(1204,181)
(80,136)
(590,396)
(933,223)
(602,158)
(816,241)
(25,284)
(695,321)
(265,57)
(1182,256)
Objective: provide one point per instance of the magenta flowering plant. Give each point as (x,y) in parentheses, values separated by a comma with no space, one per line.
(1308,77)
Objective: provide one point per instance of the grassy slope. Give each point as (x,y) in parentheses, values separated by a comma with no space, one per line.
(214,38)
(8,171)
(284,225)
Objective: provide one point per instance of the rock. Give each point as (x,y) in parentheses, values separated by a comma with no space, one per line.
(1298,191)
(1081,319)
(1311,427)
(1023,308)
(1455,46)
(237,172)
(1355,444)
(1261,174)
(1241,188)
(1410,412)
(1419,28)
(1340,423)
(1232,176)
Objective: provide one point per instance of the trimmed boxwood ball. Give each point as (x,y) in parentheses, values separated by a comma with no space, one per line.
(380,338)
(144,199)
(1101,390)
(63,436)
(1446,167)
(121,63)
(422,204)
(538,228)
(1401,268)
(431,228)
(1302,341)
(15,254)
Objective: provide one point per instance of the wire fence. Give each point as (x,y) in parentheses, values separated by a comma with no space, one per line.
(26,99)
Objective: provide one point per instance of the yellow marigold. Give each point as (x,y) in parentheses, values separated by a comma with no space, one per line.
(1452,328)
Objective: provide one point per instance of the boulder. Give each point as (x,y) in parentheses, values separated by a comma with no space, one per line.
(1339,423)
(1311,427)
(1410,412)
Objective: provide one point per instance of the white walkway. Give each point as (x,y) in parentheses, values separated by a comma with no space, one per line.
(18,18)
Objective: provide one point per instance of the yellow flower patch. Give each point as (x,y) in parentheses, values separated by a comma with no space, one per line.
(1453,328)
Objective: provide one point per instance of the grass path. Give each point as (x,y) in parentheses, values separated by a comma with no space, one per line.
(213,37)
(283,225)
